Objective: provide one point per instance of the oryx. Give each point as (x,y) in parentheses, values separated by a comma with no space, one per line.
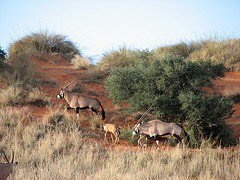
(78,102)
(6,168)
(157,128)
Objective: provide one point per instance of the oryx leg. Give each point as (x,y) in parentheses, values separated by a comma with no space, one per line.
(178,138)
(105,137)
(94,110)
(77,111)
(157,142)
(68,108)
(112,137)
(116,138)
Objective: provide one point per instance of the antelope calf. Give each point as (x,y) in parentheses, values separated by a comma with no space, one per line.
(114,130)
(142,141)
(6,168)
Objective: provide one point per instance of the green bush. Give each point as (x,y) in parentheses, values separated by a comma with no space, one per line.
(175,88)
(41,43)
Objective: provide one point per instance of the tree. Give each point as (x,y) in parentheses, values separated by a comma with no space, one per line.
(175,88)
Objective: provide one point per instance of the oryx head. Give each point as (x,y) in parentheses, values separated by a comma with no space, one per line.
(136,129)
(61,92)
(140,121)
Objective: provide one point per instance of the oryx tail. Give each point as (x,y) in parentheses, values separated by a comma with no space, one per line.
(103,111)
(185,133)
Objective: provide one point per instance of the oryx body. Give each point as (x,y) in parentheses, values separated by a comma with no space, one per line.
(77,101)
(158,128)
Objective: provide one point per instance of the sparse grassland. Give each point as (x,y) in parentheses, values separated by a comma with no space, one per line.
(219,51)
(63,151)
(19,96)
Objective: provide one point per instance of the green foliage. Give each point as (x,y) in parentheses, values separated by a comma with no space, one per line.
(127,134)
(175,88)
(41,43)
(3,54)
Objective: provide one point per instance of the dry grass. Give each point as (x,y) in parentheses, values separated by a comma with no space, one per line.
(16,95)
(38,98)
(232,93)
(44,152)
(10,96)
(225,52)
(219,51)
(80,62)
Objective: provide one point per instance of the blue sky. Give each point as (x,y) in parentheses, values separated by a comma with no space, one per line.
(98,26)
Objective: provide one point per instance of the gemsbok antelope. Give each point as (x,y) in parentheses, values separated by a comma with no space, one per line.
(157,128)
(78,102)
(114,130)
(6,168)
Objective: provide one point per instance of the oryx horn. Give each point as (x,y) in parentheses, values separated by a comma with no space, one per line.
(5,157)
(144,115)
(12,156)
(71,83)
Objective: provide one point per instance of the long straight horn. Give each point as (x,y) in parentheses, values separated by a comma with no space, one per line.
(144,115)
(5,157)
(12,157)
(71,83)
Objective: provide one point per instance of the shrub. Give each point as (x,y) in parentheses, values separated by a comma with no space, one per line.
(60,120)
(3,54)
(11,95)
(80,62)
(175,88)
(38,98)
(127,134)
(41,43)
(16,95)
(181,50)
(226,52)
(121,57)
(21,72)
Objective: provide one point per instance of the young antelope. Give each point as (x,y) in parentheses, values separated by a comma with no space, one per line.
(114,130)
(142,141)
